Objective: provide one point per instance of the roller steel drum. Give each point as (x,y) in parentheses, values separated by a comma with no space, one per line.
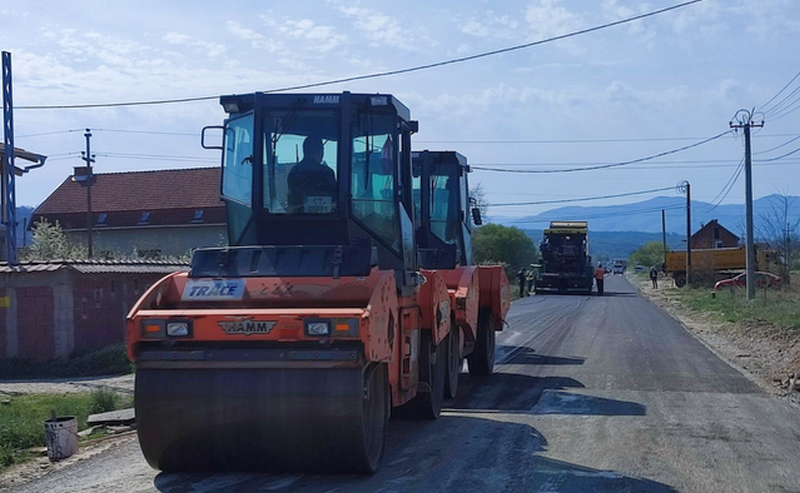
(320,420)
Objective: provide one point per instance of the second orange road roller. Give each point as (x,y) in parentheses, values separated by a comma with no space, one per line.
(347,294)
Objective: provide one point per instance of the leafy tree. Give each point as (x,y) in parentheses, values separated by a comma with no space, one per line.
(478,199)
(650,254)
(510,246)
(51,243)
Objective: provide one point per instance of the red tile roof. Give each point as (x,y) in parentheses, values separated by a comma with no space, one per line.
(194,188)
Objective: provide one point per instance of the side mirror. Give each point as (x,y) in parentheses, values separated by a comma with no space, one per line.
(477,220)
(203,137)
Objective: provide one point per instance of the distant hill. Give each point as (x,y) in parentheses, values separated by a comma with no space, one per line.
(610,245)
(645,216)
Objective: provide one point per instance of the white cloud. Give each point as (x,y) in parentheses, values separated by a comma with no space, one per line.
(256,39)
(547,18)
(380,28)
(212,49)
(490,24)
(324,38)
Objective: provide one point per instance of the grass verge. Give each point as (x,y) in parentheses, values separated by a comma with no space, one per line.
(22,417)
(781,308)
(110,360)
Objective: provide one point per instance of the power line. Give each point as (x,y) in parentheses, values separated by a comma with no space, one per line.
(778,158)
(54,132)
(609,214)
(794,106)
(584,199)
(580,141)
(726,189)
(777,146)
(145,132)
(763,107)
(379,74)
(605,166)
(782,102)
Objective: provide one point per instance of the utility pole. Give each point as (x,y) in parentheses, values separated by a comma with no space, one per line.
(686,189)
(9,209)
(688,232)
(664,233)
(744,119)
(89,159)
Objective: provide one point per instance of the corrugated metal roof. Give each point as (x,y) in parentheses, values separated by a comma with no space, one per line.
(98,266)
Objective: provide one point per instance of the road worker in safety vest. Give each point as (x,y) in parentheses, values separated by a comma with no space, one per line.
(599,274)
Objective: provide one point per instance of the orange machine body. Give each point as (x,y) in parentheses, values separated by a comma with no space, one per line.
(275,310)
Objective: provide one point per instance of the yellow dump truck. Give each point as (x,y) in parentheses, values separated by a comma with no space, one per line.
(716,261)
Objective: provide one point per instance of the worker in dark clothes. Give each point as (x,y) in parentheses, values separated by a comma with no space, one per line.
(599,274)
(654,276)
(311,178)
(530,278)
(522,281)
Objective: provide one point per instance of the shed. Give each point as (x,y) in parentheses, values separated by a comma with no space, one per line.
(56,308)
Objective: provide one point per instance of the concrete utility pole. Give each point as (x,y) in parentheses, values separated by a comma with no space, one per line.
(685,189)
(664,232)
(89,159)
(744,119)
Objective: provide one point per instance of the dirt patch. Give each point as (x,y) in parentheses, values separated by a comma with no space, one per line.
(766,352)
(121,383)
(31,470)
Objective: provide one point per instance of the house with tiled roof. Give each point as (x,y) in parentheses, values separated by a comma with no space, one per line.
(143,213)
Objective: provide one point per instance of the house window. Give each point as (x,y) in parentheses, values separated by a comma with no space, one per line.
(198,216)
(113,288)
(102,220)
(716,233)
(84,308)
(98,296)
(135,286)
(145,218)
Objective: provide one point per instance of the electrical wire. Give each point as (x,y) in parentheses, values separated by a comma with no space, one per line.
(782,102)
(778,158)
(764,108)
(605,166)
(374,75)
(54,132)
(599,216)
(163,159)
(584,199)
(794,106)
(777,147)
(145,132)
(726,189)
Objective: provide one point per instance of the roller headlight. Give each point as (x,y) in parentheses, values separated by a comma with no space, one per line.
(177,329)
(318,328)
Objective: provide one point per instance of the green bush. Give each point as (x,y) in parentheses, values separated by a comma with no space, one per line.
(104,400)
(110,360)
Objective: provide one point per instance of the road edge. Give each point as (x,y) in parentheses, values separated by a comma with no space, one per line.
(686,321)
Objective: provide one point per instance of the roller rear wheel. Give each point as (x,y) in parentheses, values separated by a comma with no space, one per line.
(481,361)
(427,404)
(454,362)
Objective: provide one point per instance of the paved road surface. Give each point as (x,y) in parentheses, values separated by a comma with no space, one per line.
(592,395)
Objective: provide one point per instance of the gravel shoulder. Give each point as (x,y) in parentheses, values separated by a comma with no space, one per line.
(119,383)
(768,354)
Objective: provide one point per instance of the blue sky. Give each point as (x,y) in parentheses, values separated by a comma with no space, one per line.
(681,74)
